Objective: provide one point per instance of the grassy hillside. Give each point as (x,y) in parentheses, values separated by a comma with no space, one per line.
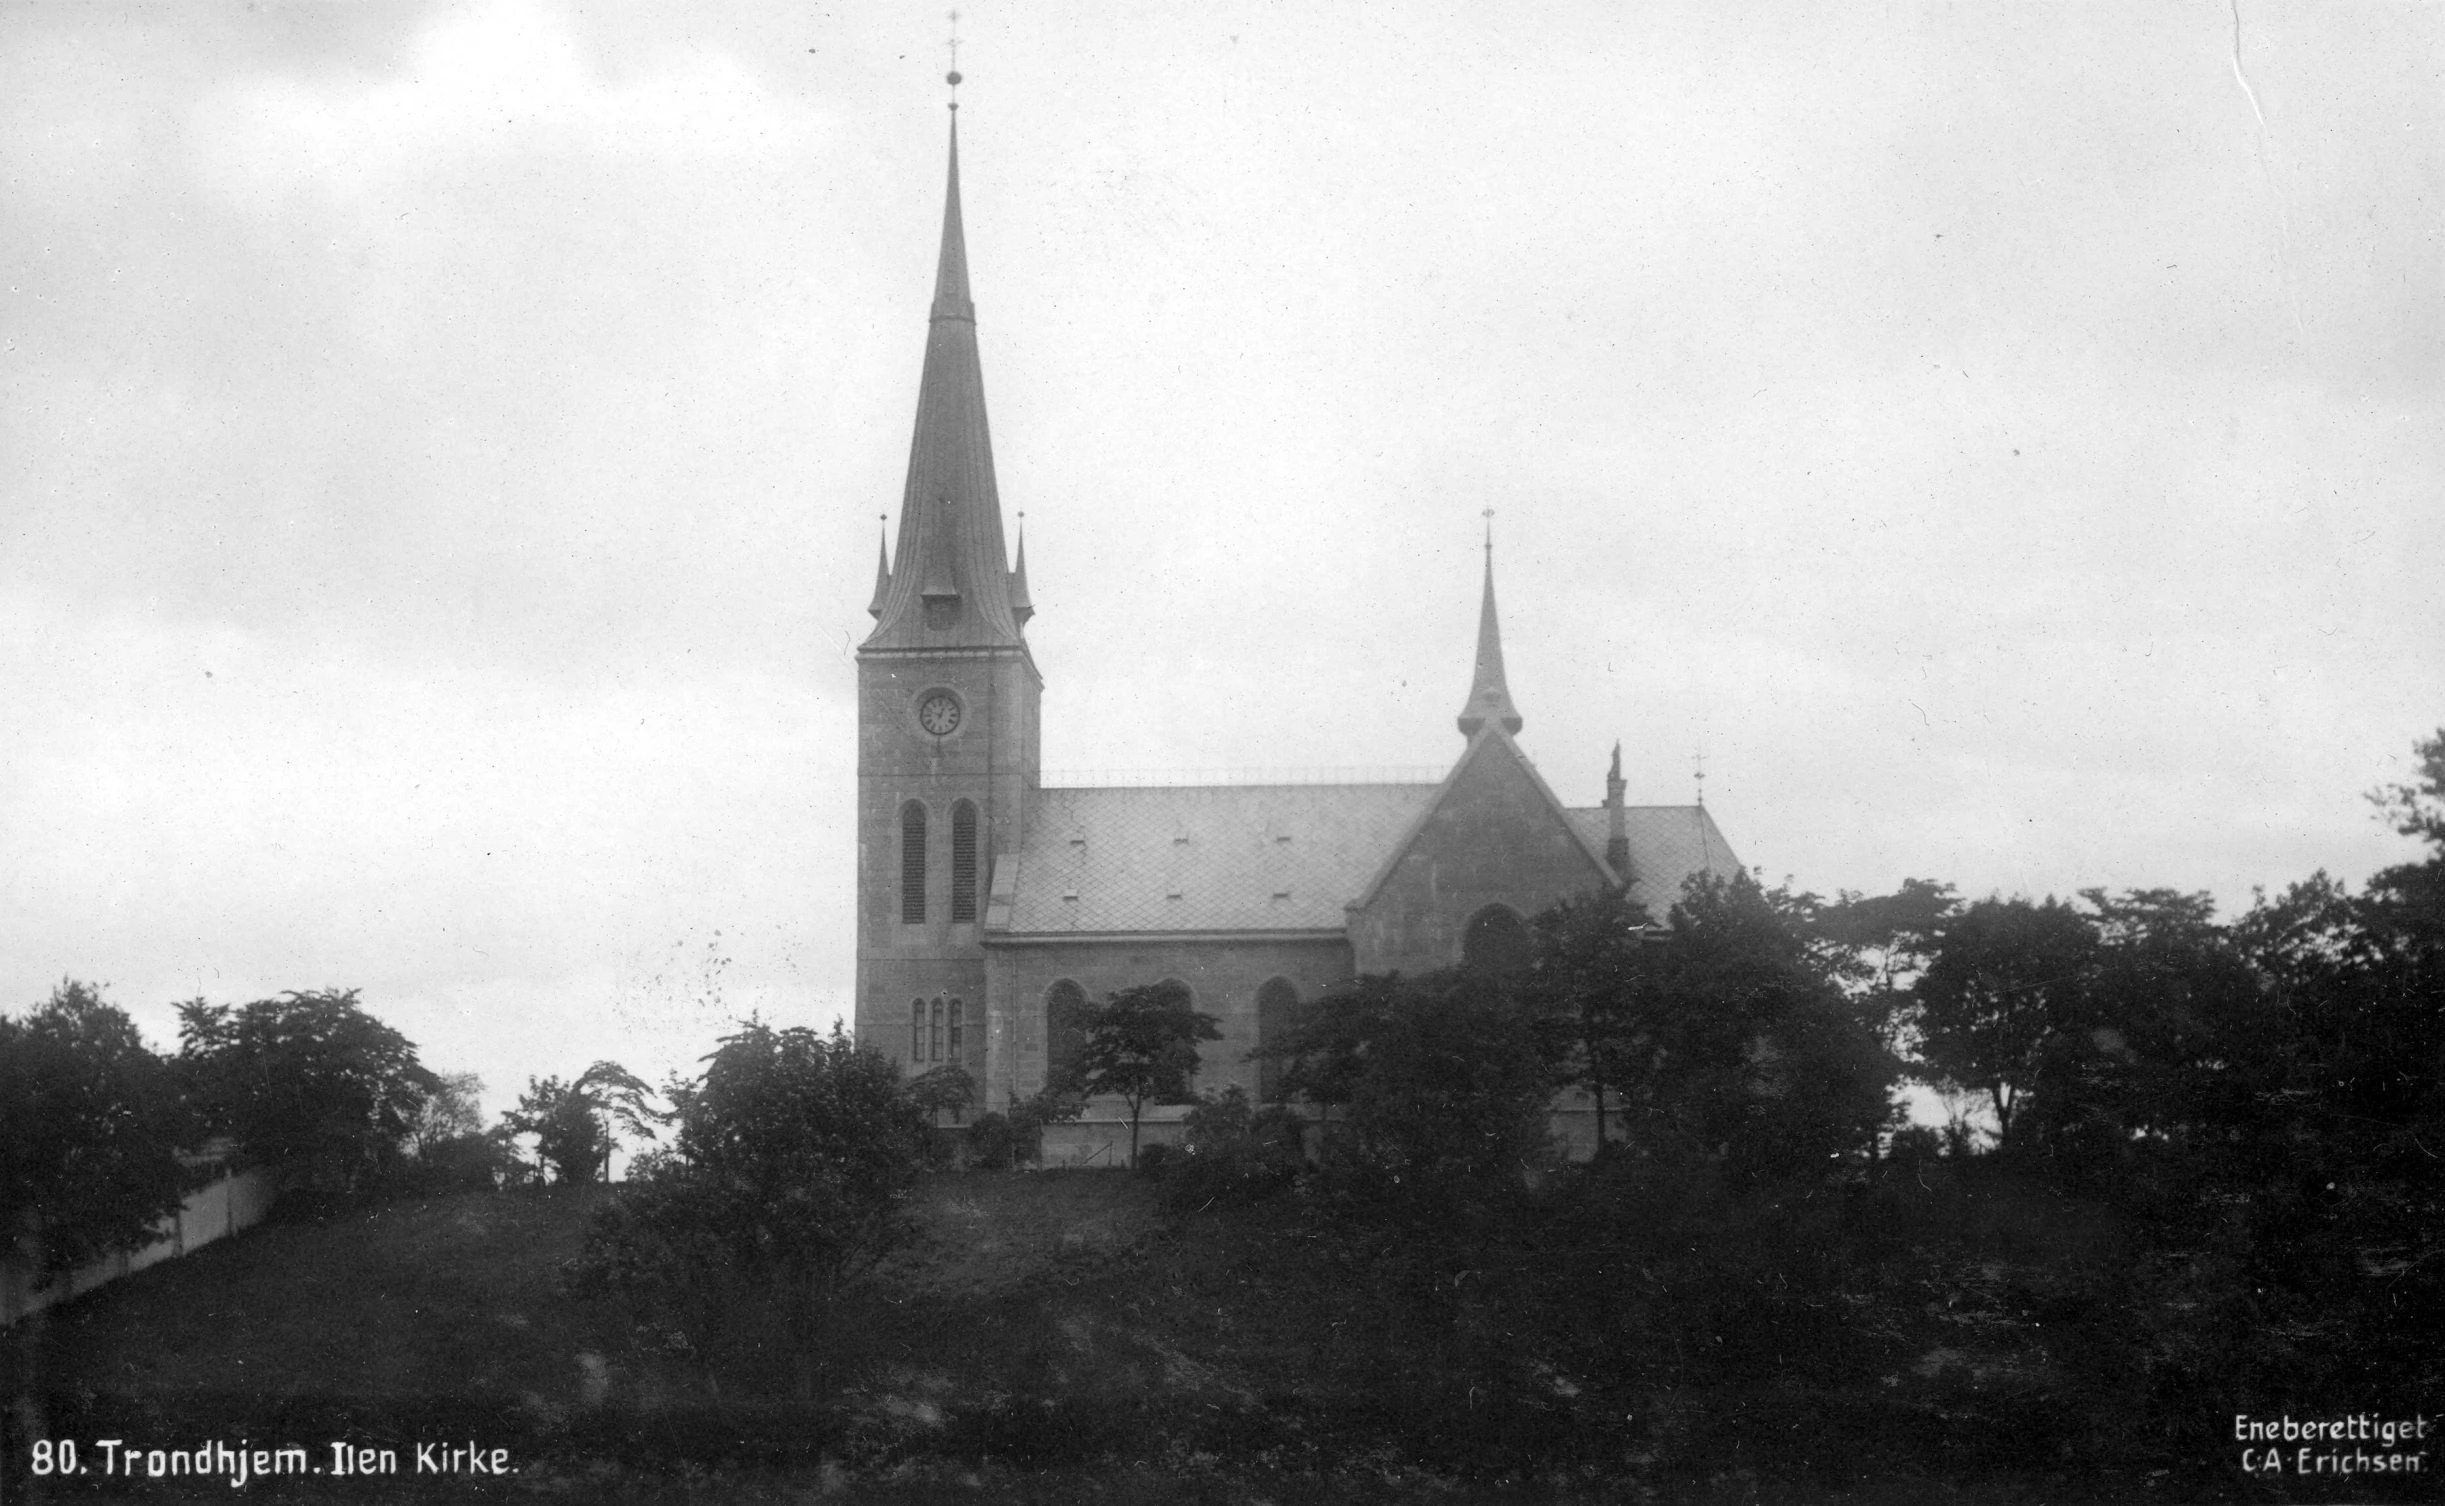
(1053,1337)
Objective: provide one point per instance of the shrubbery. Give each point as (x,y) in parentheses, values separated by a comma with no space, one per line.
(1004,1141)
(792,1159)
(1230,1154)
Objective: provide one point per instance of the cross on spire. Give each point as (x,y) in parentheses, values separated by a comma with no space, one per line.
(952,77)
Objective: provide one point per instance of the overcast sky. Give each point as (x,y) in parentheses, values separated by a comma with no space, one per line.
(441,450)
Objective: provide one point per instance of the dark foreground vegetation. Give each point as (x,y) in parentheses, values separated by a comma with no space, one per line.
(1061,1337)
(2194,1180)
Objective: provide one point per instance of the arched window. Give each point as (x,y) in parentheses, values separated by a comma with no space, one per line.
(916,1031)
(1276,1004)
(1495,942)
(958,1028)
(933,1042)
(1065,1004)
(912,864)
(963,862)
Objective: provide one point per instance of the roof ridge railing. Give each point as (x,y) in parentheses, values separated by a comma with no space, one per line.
(1095,779)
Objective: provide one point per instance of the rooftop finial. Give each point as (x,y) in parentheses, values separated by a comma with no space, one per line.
(1489,534)
(1699,774)
(952,77)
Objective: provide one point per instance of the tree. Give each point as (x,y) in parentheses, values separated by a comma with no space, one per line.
(1452,1092)
(453,1111)
(1881,945)
(793,1156)
(570,1139)
(1141,1044)
(91,1123)
(2181,1021)
(1324,1051)
(1587,980)
(577,1125)
(2004,1000)
(2416,808)
(1747,1046)
(309,1084)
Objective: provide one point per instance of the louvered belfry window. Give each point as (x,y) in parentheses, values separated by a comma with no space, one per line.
(912,864)
(963,863)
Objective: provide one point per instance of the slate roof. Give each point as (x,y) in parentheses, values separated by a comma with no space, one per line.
(1229,858)
(1205,857)
(1668,843)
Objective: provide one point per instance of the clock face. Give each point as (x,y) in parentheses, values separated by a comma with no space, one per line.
(939,713)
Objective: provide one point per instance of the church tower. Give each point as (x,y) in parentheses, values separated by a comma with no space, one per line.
(948,696)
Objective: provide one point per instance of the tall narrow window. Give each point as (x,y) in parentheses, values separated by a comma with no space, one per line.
(934,1054)
(963,862)
(916,1030)
(1064,1003)
(958,1028)
(912,864)
(1276,1002)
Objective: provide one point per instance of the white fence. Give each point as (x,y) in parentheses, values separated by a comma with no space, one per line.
(235,1201)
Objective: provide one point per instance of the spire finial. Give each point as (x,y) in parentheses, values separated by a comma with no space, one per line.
(952,77)
(1699,773)
(1489,515)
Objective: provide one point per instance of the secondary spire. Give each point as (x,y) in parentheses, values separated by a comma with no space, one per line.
(882,569)
(1489,695)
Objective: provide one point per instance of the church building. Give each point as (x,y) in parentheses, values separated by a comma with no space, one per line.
(991,906)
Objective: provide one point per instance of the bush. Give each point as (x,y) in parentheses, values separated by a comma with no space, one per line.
(992,1144)
(1232,1154)
(462,1163)
(794,1156)
(1029,1116)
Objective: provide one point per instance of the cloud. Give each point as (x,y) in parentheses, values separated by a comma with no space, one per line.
(488,81)
(257,814)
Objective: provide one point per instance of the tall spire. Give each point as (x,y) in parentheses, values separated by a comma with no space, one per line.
(952,587)
(1489,697)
